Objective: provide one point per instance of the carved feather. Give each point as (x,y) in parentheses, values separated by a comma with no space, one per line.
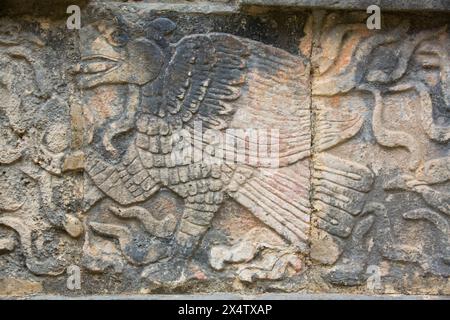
(341,188)
(226,82)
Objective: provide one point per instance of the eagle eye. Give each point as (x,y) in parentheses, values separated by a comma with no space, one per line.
(118,38)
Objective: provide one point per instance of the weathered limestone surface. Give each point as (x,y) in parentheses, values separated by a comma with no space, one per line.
(432,5)
(99,166)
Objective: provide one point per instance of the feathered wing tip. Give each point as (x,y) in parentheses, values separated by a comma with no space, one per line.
(280,199)
(334,128)
(340,192)
(275,104)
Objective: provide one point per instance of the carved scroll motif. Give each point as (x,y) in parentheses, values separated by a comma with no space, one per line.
(395,62)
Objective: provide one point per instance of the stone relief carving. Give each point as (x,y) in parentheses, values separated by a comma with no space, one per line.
(405,72)
(277,259)
(31,155)
(214,78)
(88,174)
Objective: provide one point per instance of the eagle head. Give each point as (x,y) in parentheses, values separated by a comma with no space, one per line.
(116,52)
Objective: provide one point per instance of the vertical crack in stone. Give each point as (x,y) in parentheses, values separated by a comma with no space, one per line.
(309,39)
(315,17)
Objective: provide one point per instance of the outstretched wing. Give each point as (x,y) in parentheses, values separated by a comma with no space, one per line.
(205,73)
(275,98)
(227,82)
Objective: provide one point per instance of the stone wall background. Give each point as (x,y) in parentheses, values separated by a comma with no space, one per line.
(364,115)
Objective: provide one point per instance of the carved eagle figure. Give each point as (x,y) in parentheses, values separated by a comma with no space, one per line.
(224,81)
